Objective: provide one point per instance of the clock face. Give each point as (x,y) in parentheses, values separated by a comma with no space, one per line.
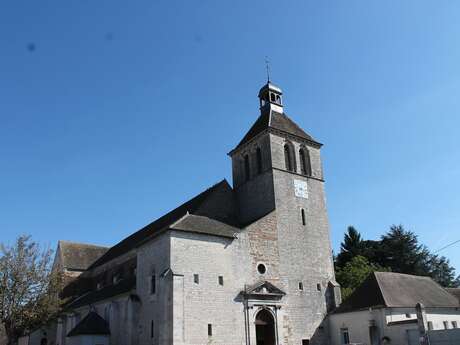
(301,189)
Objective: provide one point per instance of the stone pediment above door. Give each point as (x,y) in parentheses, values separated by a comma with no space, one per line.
(263,290)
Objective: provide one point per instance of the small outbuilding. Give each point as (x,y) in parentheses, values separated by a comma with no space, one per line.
(91,330)
(383,310)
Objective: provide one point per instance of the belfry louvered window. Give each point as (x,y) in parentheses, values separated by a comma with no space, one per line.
(289,157)
(305,162)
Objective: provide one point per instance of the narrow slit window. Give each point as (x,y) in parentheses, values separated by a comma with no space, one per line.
(152,329)
(221,280)
(302,213)
(196,278)
(246,167)
(318,287)
(259,160)
(153,283)
(300,286)
(209,329)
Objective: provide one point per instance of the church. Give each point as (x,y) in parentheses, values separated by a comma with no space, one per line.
(240,264)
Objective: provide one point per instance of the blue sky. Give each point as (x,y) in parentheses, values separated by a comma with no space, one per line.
(114,112)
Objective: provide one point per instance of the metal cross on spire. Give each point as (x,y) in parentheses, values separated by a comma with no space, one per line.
(267,66)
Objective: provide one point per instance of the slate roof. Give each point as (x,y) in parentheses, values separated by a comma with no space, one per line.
(92,324)
(200,224)
(123,286)
(392,290)
(79,256)
(216,203)
(271,119)
(455,292)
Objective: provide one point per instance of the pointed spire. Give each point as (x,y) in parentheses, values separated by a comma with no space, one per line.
(267,66)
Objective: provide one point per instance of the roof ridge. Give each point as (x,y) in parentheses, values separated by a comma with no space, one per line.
(142,233)
(81,244)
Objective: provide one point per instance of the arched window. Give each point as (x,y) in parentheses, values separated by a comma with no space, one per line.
(259,160)
(246,167)
(289,157)
(305,163)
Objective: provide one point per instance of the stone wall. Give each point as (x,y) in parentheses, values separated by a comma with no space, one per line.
(198,304)
(154,257)
(254,195)
(305,250)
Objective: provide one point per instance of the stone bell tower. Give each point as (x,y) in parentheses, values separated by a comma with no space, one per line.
(277,168)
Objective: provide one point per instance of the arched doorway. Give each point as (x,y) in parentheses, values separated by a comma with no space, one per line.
(265,328)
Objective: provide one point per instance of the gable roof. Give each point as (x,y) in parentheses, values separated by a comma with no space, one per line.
(392,290)
(92,324)
(271,119)
(79,256)
(216,203)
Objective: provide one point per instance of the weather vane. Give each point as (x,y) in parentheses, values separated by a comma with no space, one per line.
(267,66)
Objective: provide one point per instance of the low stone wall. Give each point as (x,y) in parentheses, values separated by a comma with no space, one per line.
(444,337)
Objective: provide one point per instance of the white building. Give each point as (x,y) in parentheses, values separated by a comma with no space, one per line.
(382,310)
(249,263)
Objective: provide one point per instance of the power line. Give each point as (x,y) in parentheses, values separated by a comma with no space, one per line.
(450,244)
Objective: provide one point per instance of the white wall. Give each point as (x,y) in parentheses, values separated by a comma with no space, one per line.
(438,315)
(197,305)
(358,323)
(154,256)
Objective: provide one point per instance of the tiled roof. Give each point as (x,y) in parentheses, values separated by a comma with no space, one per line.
(392,290)
(455,292)
(271,119)
(123,286)
(205,225)
(92,324)
(216,203)
(79,256)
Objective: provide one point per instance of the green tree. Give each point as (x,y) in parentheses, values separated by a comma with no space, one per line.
(28,287)
(400,251)
(351,246)
(354,273)
(441,271)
